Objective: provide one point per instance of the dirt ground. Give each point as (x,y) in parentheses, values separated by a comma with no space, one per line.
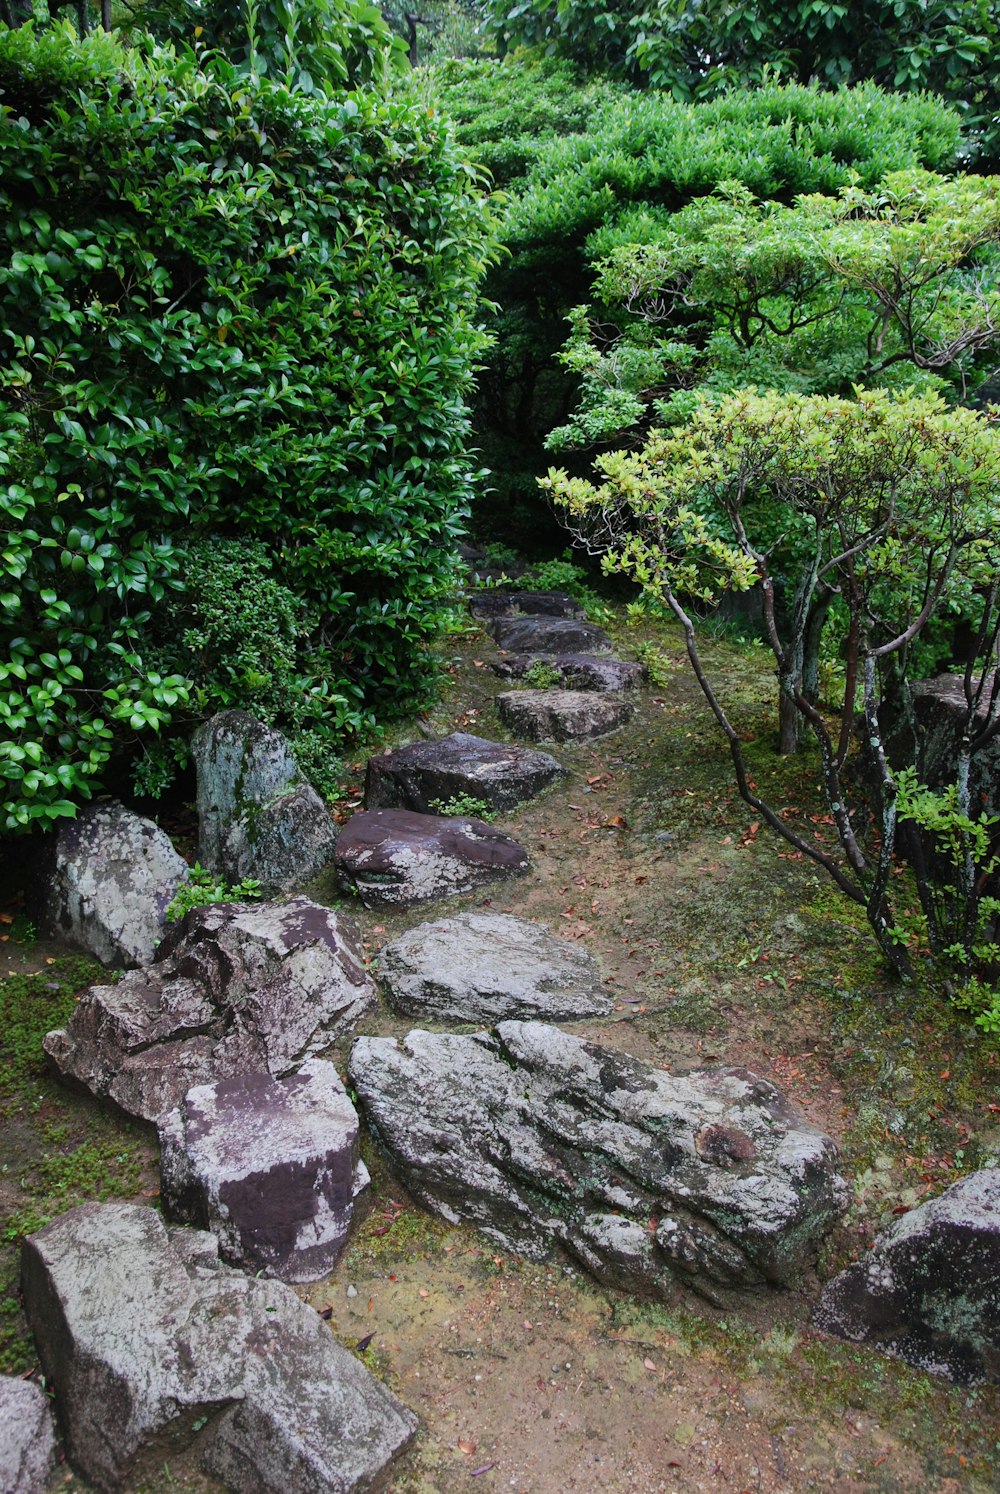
(720,946)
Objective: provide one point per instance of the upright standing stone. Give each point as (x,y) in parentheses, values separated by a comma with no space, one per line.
(27,1438)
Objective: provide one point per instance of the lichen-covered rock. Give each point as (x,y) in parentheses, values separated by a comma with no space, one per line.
(562,715)
(537,1138)
(27,1437)
(257,816)
(483,967)
(556,635)
(269,1166)
(940,710)
(235,987)
(145,1334)
(425,774)
(575,671)
(104,882)
(928,1291)
(394,858)
(499,601)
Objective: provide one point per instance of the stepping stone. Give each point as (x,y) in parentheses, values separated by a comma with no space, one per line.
(27,1437)
(928,1291)
(541,1139)
(482,967)
(394,857)
(269,1166)
(575,671)
(499,774)
(562,715)
(554,635)
(497,601)
(146,1335)
(235,987)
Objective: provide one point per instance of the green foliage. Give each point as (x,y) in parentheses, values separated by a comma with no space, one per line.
(463,804)
(204,887)
(227,308)
(541,675)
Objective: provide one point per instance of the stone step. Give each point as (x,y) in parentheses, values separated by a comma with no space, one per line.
(496,601)
(562,715)
(424,775)
(557,635)
(603,673)
(395,857)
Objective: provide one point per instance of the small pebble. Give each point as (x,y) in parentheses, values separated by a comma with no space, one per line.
(352,1291)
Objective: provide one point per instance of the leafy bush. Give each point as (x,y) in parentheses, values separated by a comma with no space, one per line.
(228,309)
(204,888)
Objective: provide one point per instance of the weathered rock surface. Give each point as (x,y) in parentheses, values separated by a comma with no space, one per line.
(269,1166)
(498,601)
(501,774)
(27,1437)
(575,671)
(394,857)
(145,1333)
(929,1289)
(105,880)
(235,987)
(482,967)
(940,709)
(257,816)
(555,635)
(562,715)
(539,1138)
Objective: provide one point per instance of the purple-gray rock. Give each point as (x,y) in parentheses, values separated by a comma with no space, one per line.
(105,880)
(928,1291)
(257,816)
(146,1335)
(235,987)
(574,671)
(27,1437)
(269,1166)
(562,715)
(425,774)
(555,635)
(483,967)
(499,601)
(394,857)
(539,1138)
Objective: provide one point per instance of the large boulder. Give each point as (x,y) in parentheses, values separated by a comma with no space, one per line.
(556,635)
(425,774)
(940,710)
(270,1166)
(539,1138)
(483,967)
(257,816)
(562,715)
(929,1289)
(394,858)
(147,1336)
(27,1437)
(600,672)
(499,601)
(104,882)
(235,987)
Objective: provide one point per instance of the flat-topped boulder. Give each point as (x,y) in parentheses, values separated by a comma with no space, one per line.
(27,1437)
(235,987)
(482,967)
(500,601)
(396,857)
(555,635)
(928,1291)
(574,671)
(147,1336)
(269,1166)
(562,715)
(426,774)
(540,1139)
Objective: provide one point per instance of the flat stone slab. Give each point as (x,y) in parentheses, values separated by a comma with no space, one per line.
(499,774)
(269,1166)
(575,671)
(929,1289)
(554,635)
(395,857)
(499,601)
(145,1334)
(562,715)
(541,1139)
(482,967)
(235,987)
(27,1437)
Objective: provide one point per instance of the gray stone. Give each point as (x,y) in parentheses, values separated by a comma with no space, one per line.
(539,1138)
(940,710)
(929,1289)
(105,880)
(499,601)
(257,816)
(424,774)
(575,671)
(562,715)
(482,967)
(235,987)
(269,1166)
(393,857)
(27,1437)
(147,1337)
(554,635)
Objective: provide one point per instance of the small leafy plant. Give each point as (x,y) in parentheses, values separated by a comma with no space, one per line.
(463,804)
(205,887)
(542,676)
